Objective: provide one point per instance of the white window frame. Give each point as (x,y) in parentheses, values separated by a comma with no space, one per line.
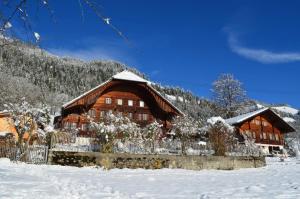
(108,100)
(145,116)
(130,103)
(119,102)
(92,112)
(264,135)
(102,114)
(84,126)
(142,103)
(140,116)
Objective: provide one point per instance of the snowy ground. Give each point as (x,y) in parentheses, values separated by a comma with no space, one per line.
(276,180)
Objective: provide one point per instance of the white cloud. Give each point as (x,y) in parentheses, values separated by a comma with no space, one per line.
(261,55)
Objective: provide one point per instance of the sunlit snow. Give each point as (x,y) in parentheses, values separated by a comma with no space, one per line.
(276,180)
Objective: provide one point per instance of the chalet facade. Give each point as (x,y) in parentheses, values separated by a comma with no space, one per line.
(264,126)
(125,93)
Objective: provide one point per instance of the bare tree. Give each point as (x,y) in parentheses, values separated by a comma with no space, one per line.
(184,128)
(228,93)
(28,121)
(220,135)
(18,10)
(152,133)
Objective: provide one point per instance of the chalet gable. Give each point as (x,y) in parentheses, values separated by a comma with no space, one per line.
(267,113)
(92,95)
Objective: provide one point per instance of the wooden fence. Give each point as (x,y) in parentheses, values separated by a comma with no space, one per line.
(35,154)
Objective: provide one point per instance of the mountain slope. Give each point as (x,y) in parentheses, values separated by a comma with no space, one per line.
(42,77)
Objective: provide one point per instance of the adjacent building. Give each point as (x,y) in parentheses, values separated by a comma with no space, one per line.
(125,93)
(265,126)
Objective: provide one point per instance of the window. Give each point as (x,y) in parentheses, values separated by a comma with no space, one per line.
(265,123)
(257,122)
(140,116)
(145,116)
(84,127)
(130,115)
(130,102)
(102,114)
(73,125)
(276,137)
(142,104)
(254,135)
(107,100)
(92,113)
(248,134)
(265,135)
(120,102)
(271,136)
(66,125)
(261,135)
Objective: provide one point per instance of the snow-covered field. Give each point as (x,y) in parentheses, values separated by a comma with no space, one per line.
(276,180)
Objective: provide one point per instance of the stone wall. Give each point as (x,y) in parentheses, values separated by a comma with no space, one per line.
(133,161)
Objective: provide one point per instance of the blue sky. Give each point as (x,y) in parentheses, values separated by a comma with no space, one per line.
(188,43)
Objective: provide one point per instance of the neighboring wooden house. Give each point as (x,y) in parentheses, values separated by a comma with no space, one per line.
(8,130)
(264,126)
(125,93)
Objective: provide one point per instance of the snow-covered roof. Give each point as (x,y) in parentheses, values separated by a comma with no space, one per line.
(4,113)
(243,117)
(129,76)
(84,94)
(4,134)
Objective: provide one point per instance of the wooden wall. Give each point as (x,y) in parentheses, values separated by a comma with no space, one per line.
(154,107)
(263,131)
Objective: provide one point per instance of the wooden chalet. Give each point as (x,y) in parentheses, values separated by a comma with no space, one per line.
(265,126)
(125,93)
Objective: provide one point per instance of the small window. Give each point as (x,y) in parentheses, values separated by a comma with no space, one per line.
(140,116)
(142,104)
(145,116)
(130,115)
(265,136)
(261,136)
(271,136)
(66,125)
(102,114)
(265,123)
(254,135)
(257,122)
(73,125)
(130,102)
(92,113)
(120,102)
(83,127)
(276,137)
(107,100)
